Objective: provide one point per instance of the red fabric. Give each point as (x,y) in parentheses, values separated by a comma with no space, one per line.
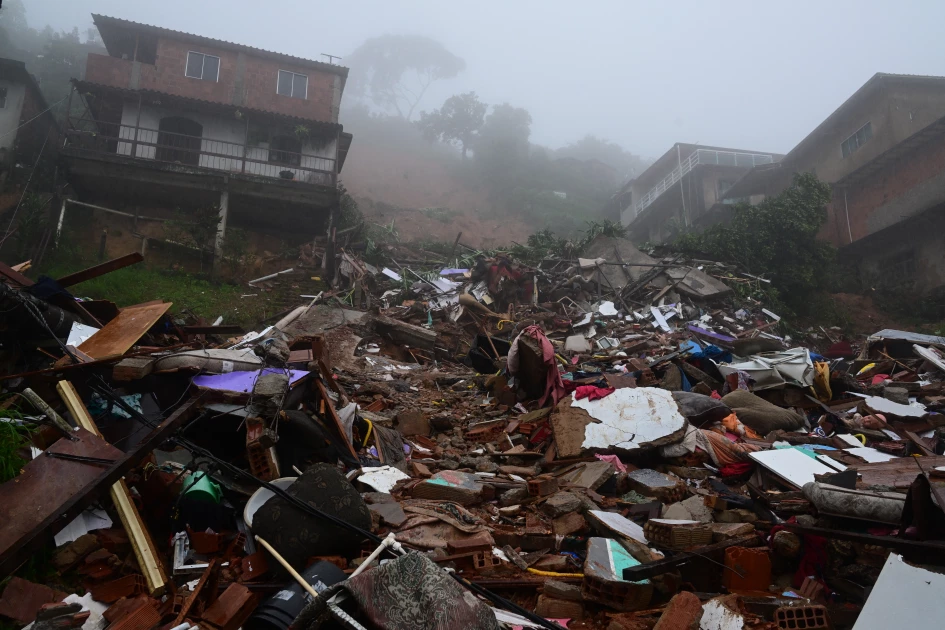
(814,559)
(735,470)
(592,392)
(715,395)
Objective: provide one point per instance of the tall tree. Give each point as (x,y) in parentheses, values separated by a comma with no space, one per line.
(395,71)
(459,120)
(502,147)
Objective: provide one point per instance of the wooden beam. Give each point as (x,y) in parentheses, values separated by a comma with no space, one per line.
(100,270)
(141,542)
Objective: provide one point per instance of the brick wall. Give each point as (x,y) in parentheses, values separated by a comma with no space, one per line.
(911,184)
(252,84)
(260,79)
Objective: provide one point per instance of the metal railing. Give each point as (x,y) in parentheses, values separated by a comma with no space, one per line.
(701,156)
(197,152)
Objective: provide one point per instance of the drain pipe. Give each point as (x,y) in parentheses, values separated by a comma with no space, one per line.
(846,211)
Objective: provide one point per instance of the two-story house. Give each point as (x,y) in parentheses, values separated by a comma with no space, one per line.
(684,189)
(174,120)
(883,152)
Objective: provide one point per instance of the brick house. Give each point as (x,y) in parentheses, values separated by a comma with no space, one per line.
(176,120)
(883,153)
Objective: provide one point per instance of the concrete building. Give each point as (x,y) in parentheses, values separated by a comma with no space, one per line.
(176,120)
(883,152)
(684,189)
(27,126)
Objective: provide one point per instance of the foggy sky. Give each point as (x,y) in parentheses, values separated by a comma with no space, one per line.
(747,75)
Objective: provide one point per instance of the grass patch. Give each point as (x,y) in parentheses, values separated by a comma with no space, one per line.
(190,293)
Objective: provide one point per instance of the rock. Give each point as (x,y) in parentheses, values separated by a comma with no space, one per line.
(449,464)
(377,497)
(897,395)
(562,590)
(390,513)
(568,524)
(551,608)
(677,511)
(487,466)
(413,422)
(515,496)
(698,509)
(560,504)
(554,563)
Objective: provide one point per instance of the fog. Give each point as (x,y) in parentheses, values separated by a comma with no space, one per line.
(645,75)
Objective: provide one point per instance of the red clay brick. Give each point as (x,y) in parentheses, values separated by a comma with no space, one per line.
(684,612)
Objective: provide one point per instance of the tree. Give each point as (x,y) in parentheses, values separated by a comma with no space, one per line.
(395,71)
(590,147)
(776,238)
(13,16)
(459,120)
(503,139)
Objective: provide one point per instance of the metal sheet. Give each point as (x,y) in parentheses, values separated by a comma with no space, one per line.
(902,335)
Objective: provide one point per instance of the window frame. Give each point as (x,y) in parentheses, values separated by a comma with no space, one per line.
(203,56)
(844,152)
(294,74)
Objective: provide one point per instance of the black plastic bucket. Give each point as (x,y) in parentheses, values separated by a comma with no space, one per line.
(280,610)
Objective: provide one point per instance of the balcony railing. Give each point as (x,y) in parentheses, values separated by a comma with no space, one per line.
(701,156)
(197,152)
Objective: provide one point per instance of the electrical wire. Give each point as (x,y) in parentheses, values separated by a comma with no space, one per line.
(59,102)
(104,389)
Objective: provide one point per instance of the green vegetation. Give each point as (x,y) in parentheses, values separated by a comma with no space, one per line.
(12,439)
(776,239)
(189,292)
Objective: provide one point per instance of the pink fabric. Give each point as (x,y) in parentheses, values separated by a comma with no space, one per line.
(592,392)
(554,387)
(613,459)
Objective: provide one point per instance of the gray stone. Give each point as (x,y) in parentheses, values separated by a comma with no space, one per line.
(561,503)
(897,395)
(513,497)
(448,464)
(562,590)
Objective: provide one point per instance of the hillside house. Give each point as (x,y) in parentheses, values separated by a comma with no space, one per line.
(174,120)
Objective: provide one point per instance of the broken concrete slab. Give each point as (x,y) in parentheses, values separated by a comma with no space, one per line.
(626,420)
(561,503)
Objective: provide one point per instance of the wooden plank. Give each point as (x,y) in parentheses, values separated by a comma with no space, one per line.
(330,409)
(141,543)
(120,334)
(56,491)
(100,270)
(13,277)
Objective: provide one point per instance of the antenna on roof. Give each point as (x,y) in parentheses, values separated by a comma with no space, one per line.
(331,58)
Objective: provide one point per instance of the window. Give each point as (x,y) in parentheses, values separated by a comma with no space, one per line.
(285,150)
(201,66)
(852,144)
(291,84)
(723,186)
(3,97)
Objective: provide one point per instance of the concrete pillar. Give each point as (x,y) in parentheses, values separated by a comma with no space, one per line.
(221,227)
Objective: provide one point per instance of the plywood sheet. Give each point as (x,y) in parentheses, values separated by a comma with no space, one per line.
(120,334)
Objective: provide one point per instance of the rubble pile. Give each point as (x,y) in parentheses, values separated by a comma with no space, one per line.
(615,442)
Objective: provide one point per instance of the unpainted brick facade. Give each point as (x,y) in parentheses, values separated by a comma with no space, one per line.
(244,80)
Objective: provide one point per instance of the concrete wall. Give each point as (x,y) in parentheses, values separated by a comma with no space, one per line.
(896,111)
(244,80)
(221,145)
(10,117)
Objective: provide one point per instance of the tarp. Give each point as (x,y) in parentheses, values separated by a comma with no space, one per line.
(776,369)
